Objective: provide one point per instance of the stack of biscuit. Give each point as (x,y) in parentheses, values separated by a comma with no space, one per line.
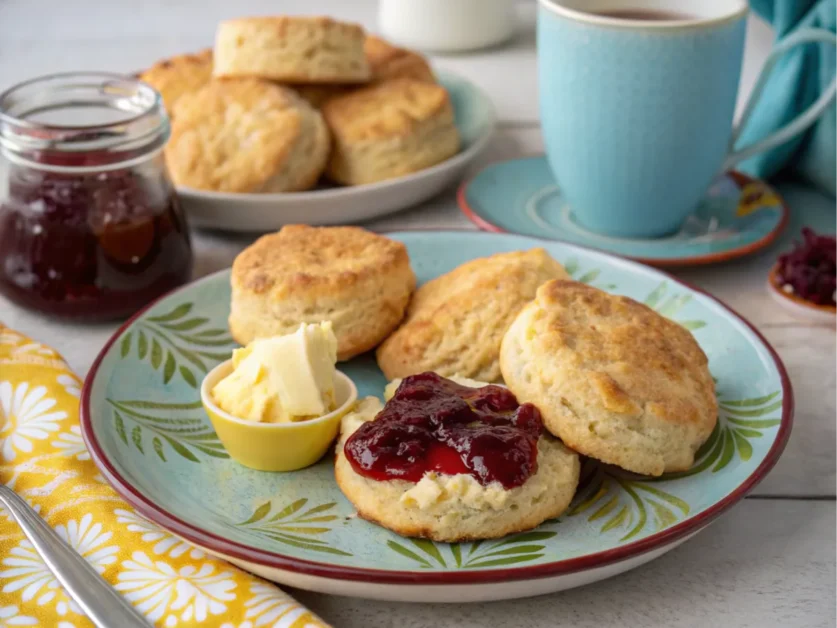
(282,102)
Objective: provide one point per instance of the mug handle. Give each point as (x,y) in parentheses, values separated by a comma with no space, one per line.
(800,122)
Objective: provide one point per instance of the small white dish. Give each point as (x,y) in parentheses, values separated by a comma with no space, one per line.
(475,120)
(798,307)
(447,25)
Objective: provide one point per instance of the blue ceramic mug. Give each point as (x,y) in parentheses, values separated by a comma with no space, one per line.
(637,113)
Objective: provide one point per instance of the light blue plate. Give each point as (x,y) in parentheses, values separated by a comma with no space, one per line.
(739,215)
(146,430)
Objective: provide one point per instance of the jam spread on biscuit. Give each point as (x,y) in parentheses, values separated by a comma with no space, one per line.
(434,424)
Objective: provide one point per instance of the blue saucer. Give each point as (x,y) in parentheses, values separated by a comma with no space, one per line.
(738,215)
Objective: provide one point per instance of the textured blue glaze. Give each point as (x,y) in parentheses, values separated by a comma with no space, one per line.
(636,122)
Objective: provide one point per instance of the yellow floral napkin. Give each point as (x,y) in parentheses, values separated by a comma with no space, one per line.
(43,458)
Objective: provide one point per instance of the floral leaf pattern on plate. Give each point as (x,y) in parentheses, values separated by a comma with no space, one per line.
(178,342)
(739,421)
(587,276)
(295,525)
(509,550)
(180,427)
(621,500)
(617,500)
(670,305)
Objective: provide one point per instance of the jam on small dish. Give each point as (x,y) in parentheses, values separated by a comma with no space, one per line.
(434,424)
(808,271)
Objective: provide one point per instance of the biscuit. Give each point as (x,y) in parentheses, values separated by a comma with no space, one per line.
(389,62)
(291,50)
(455,323)
(457,515)
(179,75)
(358,280)
(385,62)
(317,95)
(246,135)
(389,130)
(612,378)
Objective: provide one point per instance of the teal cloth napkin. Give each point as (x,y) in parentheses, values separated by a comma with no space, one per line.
(796,81)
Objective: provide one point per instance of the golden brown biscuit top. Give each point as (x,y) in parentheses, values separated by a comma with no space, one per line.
(310,260)
(233,134)
(387,61)
(389,109)
(500,277)
(179,75)
(281,24)
(634,360)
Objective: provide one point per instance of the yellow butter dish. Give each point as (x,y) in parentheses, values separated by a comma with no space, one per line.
(281,379)
(286,446)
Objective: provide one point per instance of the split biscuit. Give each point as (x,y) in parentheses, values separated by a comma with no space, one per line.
(455,508)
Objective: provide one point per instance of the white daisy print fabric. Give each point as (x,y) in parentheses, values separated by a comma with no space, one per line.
(44,459)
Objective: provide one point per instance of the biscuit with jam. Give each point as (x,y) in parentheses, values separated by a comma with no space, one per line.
(426,489)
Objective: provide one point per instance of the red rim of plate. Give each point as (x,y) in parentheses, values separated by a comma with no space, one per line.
(215,543)
(700,260)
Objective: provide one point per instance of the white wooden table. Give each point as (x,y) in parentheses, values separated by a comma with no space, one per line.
(770,562)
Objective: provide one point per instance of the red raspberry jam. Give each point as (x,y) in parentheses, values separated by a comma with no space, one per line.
(434,424)
(92,246)
(90,226)
(809,271)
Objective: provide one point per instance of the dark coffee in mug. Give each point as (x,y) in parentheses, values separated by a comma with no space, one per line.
(648,15)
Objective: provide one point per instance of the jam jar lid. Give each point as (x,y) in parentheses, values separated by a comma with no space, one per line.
(81,121)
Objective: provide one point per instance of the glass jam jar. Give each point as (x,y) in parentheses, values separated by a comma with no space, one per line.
(90,226)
